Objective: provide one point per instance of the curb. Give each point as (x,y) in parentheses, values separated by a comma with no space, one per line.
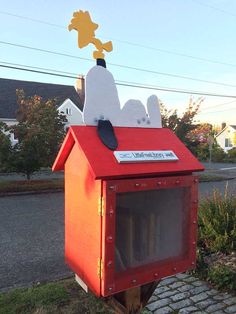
(217,180)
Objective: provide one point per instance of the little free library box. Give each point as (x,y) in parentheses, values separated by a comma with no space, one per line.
(130,214)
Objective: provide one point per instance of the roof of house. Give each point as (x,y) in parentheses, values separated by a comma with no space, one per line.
(129,139)
(232,126)
(8,101)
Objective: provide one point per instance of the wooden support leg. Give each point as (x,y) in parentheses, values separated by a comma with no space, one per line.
(132,301)
(132,298)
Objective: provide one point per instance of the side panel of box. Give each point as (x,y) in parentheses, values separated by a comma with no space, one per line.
(82,220)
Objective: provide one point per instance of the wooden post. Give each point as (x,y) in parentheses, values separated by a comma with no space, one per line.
(132,301)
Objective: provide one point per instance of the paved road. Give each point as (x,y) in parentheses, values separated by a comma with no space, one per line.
(32,239)
(206,188)
(219,165)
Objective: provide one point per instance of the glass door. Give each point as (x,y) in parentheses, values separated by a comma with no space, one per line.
(151,224)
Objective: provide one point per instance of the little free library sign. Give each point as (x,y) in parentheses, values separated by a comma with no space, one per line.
(145,156)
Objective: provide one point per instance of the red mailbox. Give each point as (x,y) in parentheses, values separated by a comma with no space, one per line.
(128,224)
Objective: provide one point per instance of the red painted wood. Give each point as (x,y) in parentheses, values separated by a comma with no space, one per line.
(104,165)
(90,237)
(82,221)
(64,152)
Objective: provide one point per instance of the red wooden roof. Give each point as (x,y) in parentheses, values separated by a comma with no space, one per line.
(103,163)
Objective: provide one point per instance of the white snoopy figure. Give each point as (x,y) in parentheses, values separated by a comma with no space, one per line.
(102,103)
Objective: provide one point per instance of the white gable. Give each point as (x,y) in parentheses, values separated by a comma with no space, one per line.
(72,112)
(226,138)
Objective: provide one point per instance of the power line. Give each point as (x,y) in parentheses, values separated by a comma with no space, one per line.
(36,71)
(120,83)
(219,105)
(128,42)
(178,91)
(180,54)
(46,51)
(214,8)
(40,68)
(31,19)
(120,65)
(230,109)
(172,75)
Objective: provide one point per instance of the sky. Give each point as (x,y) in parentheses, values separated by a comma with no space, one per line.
(164,40)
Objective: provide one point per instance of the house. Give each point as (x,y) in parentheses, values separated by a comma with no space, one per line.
(226,138)
(69,99)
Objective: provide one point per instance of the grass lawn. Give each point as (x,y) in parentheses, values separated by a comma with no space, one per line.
(62,297)
(31,185)
(210,178)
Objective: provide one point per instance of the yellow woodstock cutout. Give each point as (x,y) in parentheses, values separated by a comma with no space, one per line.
(85,27)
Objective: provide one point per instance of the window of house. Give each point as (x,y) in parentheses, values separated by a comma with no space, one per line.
(228,142)
(68,111)
(15,137)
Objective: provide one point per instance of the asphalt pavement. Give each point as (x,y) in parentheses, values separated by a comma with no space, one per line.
(206,188)
(32,239)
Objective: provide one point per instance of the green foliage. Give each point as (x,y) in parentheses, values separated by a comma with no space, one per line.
(26,300)
(231,155)
(203,177)
(222,277)
(183,124)
(218,154)
(5,147)
(64,297)
(201,266)
(201,151)
(27,155)
(40,132)
(217,222)
(217,238)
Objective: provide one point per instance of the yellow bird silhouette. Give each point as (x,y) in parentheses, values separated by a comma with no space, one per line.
(82,23)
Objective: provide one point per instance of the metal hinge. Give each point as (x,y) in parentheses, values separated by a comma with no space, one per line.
(100,206)
(100,268)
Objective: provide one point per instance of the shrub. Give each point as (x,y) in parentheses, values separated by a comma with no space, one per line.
(218,154)
(231,155)
(201,151)
(222,277)
(217,222)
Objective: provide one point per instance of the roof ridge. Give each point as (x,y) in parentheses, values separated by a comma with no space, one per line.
(8,101)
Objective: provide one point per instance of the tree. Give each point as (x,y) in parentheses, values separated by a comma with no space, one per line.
(184,124)
(40,132)
(5,147)
(201,133)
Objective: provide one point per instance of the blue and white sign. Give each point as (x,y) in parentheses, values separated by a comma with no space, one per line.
(145,156)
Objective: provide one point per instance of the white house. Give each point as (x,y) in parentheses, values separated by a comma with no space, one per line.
(71,107)
(69,99)
(10,122)
(226,138)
